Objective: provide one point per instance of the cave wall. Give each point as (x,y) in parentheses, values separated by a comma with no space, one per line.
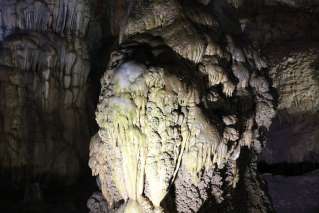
(45,65)
(286,33)
(294,135)
(53,53)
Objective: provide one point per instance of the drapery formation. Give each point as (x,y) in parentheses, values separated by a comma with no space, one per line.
(183,96)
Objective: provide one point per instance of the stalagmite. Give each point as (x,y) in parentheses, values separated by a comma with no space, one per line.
(170,111)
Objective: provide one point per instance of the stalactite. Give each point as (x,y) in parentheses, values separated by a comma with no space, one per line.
(152,118)
(44,104)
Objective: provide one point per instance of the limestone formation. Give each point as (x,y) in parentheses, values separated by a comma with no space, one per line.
(291,51)
(66,18)
(295,133)
(179,102)
(286,32)
(44,66)
(183,100)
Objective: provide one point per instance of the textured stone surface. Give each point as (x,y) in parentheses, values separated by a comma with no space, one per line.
(44,66)
(294,134)
(295,74)
(64,17)
(176,108)
(286,32)
(184,87)
(268,25)
(97,204)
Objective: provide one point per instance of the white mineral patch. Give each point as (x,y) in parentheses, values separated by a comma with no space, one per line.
(127,73)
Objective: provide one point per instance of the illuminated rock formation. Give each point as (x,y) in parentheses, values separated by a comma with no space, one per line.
(181,99)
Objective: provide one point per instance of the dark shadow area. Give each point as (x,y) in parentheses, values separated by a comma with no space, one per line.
(36,197)
(287,169)
(292,139)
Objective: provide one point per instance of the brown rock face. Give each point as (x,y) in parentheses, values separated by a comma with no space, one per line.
(294,136)
(44,66)
(287,33)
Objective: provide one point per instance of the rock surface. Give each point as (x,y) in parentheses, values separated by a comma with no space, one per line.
(180,100)
(44,66)
(297,194)
(190,96)
(287,34)
(294,134)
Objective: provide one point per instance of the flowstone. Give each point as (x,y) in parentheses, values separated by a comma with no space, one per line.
(180,99)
